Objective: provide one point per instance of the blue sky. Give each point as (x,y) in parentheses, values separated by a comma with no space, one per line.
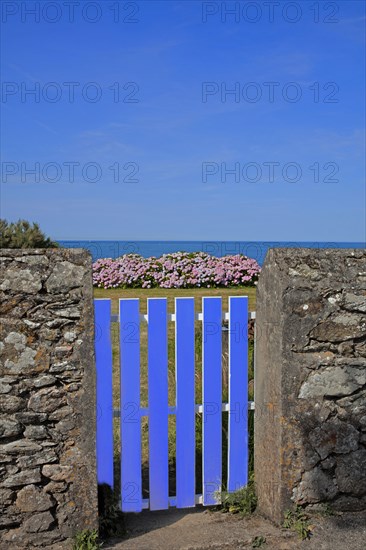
(297,155)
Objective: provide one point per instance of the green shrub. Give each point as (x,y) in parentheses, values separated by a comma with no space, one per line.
(87,540)
(243,501)
(22,234)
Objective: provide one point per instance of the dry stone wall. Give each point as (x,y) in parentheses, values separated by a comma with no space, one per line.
(48,488)
(310,388)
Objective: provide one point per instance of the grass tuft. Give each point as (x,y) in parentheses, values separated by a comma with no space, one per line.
(258,541)
(242,502)
(297,520)
(87,540)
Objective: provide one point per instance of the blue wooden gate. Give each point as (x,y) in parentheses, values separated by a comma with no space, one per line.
(185,408)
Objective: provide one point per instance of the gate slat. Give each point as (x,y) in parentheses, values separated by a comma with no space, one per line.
(212,399)
(238,393)
(185,402)
(131,484)
(103,359)
(158,403)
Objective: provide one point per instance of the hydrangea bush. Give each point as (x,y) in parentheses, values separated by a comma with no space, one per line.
(178,270)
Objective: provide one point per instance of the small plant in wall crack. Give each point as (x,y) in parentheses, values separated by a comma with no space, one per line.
(297,520)
(87,540)
(325,510)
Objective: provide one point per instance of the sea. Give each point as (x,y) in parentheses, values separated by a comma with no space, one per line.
(252,249)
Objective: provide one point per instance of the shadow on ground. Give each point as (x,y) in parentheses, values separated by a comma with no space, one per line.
(201,529)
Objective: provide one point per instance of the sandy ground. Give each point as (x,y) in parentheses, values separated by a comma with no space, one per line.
(201,529)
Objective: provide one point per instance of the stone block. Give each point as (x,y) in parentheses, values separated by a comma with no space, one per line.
(48,481)
(310,380)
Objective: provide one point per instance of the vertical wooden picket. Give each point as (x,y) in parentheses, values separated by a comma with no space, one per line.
(212,399)
(131,485)
(185,402)
(103,359)
(158,403)
(238,393)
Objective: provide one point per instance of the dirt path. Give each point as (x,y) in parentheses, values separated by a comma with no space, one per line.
(204,530)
